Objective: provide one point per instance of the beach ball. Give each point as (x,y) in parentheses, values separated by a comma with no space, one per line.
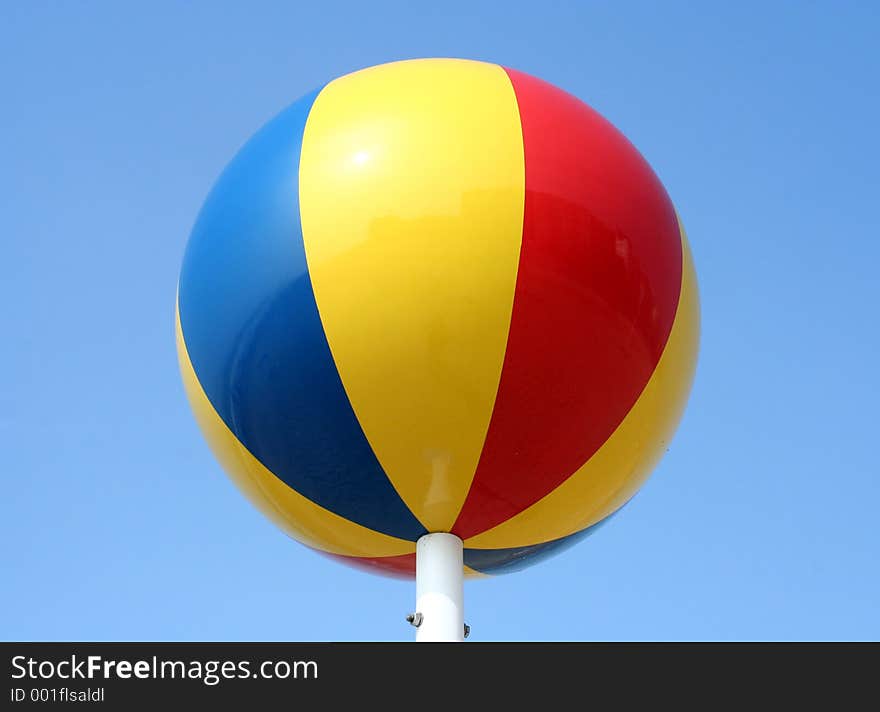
(438,296)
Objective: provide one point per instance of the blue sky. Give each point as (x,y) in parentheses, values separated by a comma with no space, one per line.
(761,120)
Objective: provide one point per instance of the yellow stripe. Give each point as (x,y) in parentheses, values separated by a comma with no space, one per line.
(625,460)
(474,574)
(411,196)
(299,517)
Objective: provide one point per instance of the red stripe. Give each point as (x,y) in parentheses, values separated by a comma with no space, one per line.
(403,566)
(596,293)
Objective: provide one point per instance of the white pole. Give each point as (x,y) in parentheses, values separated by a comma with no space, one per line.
(440,588)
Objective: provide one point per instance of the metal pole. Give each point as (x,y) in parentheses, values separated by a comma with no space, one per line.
(439,588)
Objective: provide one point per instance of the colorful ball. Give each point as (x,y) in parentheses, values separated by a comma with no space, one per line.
(438,296)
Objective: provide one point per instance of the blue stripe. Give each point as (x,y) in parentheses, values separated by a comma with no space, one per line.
(506,561)
(255,338)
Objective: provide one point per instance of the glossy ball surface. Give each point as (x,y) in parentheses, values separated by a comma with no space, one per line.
(438,295)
